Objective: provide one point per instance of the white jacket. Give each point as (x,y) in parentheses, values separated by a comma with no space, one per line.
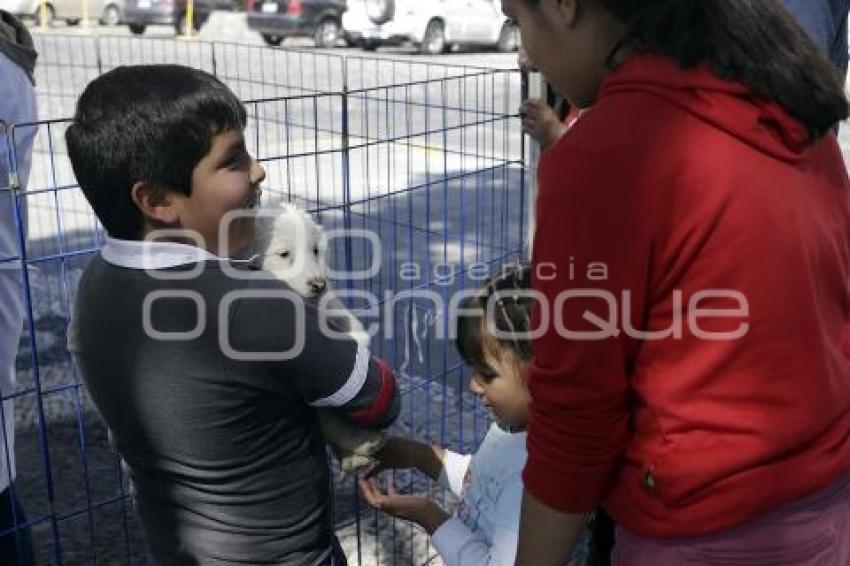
(484,530)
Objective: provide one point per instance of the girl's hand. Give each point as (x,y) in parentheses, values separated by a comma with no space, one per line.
(420,510)
(403,454)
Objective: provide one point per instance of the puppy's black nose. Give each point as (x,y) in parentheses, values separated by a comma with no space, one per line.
(318,286)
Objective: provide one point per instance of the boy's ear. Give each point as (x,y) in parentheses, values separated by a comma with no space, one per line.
(156,203)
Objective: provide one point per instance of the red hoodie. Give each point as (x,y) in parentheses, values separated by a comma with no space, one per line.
(680,185)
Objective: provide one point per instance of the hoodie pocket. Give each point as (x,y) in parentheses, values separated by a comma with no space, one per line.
(681,472)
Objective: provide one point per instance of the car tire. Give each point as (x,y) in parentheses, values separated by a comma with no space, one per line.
(370,45)
(508,39)
(434,40)
(272,40)
(328,32)
(111,15)
(49,16)
(380,11)
(73,22)
(137,29)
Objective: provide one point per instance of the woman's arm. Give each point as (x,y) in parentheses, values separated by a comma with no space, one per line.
(546,537)
(593,255)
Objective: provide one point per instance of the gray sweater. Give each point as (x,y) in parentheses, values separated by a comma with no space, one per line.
(225,455)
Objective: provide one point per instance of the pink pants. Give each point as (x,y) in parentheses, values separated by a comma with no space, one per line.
(814,531)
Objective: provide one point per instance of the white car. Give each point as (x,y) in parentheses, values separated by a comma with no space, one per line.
(432,25)
(109,12)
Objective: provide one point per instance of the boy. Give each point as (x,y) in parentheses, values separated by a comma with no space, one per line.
(182,352)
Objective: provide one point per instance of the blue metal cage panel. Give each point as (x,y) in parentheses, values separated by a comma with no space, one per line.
(427,157)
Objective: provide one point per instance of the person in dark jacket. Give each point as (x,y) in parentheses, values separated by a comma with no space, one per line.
(17,105)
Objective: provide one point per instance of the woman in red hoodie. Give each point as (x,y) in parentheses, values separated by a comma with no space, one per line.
(693,263)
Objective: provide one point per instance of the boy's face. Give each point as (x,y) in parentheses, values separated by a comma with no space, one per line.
(226,179)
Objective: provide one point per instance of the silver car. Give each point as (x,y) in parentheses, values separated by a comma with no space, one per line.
(433,26)
(108,12)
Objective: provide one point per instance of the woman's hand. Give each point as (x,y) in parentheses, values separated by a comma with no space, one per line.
(417,509)
(404,454)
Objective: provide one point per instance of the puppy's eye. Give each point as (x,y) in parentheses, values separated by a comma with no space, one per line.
(284,255)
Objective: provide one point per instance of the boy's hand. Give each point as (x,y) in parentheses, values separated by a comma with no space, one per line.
(403,454)
(420,510)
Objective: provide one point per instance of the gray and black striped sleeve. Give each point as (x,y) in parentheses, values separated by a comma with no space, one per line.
(326,372)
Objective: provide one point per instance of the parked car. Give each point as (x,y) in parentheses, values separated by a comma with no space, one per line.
(432,25)
(108,12)
(139,14)
(275,20)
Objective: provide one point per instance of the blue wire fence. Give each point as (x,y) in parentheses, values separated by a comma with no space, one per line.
(428,157)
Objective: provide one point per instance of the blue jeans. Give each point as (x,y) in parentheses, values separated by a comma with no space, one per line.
(16,547)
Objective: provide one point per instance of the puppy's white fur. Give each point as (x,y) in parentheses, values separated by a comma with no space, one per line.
(293,248)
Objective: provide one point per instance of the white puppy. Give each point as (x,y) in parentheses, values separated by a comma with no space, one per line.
(293,247)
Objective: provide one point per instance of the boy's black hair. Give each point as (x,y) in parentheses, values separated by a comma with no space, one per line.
(149,123)
(754,42)
(511,316)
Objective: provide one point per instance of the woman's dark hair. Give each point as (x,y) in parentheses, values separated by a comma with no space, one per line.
(511,316)
(754,42)
(147,123)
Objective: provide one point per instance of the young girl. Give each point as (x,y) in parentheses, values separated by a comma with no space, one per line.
(483,530)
